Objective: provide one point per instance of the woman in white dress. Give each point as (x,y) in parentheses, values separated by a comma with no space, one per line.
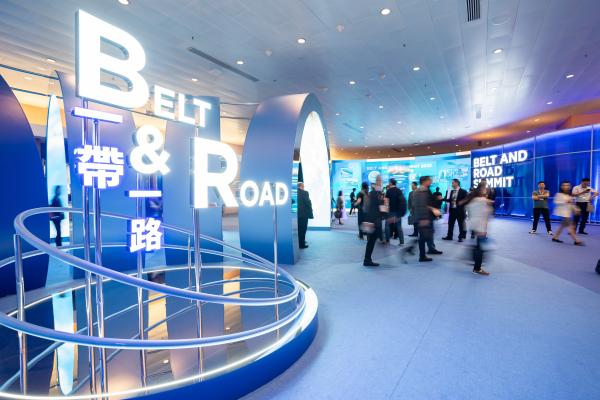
(564,208)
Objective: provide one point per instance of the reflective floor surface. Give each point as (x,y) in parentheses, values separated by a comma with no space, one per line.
(435,331)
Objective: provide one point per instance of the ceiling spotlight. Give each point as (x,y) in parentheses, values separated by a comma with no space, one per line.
(380,106)
(352,82)
(366,146)
(240,62)
(528,131)
(51,60)
(51,83)
(442,117)
(268,52)
(432,98)
(385,11)
(194,79)
(434,152)
(549,103)
(349,140)
(337,114)
(301,41)
(124,2)
(28,78)
(569,76)
(416,68)
(412,133)
(340,28)
(399,122)
(362,127)
(498,51)
(536,120)
(494,89)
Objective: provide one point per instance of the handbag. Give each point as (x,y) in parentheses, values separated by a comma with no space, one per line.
(337,214)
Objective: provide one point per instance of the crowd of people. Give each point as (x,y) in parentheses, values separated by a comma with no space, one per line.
(380,211)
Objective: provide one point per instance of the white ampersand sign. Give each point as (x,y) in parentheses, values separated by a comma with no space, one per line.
(147,157)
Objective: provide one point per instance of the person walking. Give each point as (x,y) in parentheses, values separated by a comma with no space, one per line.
(563,208)
(456,210)
(424,215)
(340,208)
(438,198)
(57,217)
(479,208)
(540,207)
(584,196)
(397,209)
(352,201)
(360,202)
(411,218)
(372,220)
(305,212)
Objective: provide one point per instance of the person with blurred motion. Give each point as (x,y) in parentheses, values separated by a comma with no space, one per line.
(397,209)
(339,208)
(371,224)
(456,210)
(424,213)
(479,209)
(564,208)
(305,212)
(411,219)
(360,202)
(584,197)
(57,217)
(352,201)
(540,207)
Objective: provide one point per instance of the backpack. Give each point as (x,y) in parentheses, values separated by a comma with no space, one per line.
(598,267)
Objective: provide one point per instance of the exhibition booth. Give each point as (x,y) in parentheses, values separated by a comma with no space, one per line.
(513,169)
(145,297)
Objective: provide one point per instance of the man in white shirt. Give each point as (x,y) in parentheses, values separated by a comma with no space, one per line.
(584,195)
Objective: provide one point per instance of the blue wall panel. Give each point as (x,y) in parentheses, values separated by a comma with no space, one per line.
(113,199)
(23,187)
(566,141)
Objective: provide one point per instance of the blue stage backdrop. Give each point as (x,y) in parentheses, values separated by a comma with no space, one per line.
(349,174)
(570,155)
(23,187)
(117,135)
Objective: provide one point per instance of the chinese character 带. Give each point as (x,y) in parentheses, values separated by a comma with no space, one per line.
(101,166)
(145,234)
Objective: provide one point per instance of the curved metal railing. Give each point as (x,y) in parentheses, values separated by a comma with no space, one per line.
(250,262)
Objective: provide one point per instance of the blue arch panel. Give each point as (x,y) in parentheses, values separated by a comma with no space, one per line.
(272,143)
(114,199)
(23,187)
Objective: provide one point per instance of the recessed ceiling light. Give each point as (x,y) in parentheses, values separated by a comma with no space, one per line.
(456,145)
(268,52)
(432,98)
(194,79)
(399,122)
(416,68)
(41,68)
(124,2)
(51,60)
(494,89)
(528,131)
(434,152)
(498,51)
(338,114)
(362,127)
(412,133)
(349,140)
(380,106)
(536,120)
(385,11)
(549,103)
(442,117)
(352,82)
(392,144)
(28,78)
(569,76)
(366,146)
(51,83)
(240,62)
(340,28)
(301,41)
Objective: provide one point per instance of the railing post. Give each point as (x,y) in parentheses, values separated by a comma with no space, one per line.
(275,252)
(20,288)
(98,260)
(89,302)
(140,293)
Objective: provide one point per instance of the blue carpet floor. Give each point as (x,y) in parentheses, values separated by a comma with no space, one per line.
(531,330)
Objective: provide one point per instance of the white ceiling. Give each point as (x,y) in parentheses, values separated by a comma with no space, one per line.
(542,42)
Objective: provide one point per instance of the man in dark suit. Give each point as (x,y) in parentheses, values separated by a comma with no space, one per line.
(373,217)
(305,212)
(456,210)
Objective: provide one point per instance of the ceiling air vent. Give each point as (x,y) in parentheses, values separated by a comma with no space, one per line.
(473,10)
(222,64)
